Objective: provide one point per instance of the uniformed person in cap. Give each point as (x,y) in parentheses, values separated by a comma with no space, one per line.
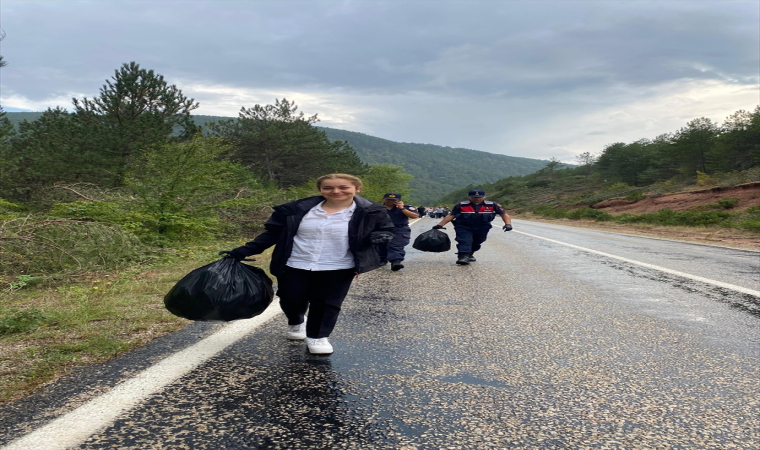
(400,215)
(472,222)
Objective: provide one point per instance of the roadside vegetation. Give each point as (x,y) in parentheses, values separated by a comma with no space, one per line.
(701,155)
(748,219)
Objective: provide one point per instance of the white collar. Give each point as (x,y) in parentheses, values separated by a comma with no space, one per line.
(350,209)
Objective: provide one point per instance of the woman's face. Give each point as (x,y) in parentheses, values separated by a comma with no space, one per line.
(338,189)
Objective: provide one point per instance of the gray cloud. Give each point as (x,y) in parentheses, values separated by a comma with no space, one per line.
(482,74)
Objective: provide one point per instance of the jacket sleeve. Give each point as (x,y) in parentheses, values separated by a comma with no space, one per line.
(273,228)
(383,225)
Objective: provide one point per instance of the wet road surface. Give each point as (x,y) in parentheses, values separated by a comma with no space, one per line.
(534,346)
(719,263)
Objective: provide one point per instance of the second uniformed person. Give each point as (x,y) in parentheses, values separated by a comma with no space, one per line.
(472,222)
(400,215)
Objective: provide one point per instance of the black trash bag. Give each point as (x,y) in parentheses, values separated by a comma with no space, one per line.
(433,241)
(225,290)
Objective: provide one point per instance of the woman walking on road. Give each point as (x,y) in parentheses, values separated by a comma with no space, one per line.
(321,244)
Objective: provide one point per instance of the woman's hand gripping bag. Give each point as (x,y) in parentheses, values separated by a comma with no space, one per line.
(224,290)
(433,241)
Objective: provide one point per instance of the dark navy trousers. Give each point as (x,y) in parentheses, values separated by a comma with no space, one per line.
(469,238)
(395,250)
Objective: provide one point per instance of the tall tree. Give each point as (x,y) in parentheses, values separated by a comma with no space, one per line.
(383,178)
(612,161)
(45,151)
(660,161)
(8,160)
(738,147)
(280,145)
(6,128)
(586,161)
(693,143)
(3,62)
(629,163)
(186,180)
(136,109)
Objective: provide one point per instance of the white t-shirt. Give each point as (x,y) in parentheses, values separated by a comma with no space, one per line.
(321,242)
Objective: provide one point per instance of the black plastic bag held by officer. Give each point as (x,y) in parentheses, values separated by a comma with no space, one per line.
(225,290)
(433,241)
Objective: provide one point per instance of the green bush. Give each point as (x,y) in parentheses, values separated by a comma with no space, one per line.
(749,224)
(635,196)
(629,218)
(589,213)
(728,202)
(750,219)
(6,206)
(551,212)
(166,228)
(10,210)
(150,227)
(618,187)
(89,211)
(682,218)
(44,246)
(538,183)
(690,218)
(14,320)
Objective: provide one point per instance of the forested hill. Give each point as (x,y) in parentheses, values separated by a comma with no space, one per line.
(437,170)
(18,117)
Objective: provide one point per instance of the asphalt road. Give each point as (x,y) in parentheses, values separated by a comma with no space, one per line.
(556,338)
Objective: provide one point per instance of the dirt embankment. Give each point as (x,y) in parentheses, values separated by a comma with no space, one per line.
(748,195)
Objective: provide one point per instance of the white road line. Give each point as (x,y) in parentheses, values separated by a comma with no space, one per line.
(76,426)
(732,287)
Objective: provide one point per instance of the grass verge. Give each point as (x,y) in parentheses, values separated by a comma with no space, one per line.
(696,217)
(711,235)
(46,330)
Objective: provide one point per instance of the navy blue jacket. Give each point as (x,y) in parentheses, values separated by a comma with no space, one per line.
(398,218)
(468,214)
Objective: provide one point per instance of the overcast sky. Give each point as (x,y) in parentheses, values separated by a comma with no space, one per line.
(539,79)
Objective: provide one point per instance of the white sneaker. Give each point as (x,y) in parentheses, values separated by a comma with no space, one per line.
(319,346)
(297,332)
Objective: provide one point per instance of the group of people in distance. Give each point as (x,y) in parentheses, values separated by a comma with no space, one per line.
(322,243)
(436,212)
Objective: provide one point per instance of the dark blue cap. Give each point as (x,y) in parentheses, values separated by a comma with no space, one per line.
(392,196)
(476,193)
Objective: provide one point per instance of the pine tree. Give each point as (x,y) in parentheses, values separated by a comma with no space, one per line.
(693,143)
(281,146)
(135,110)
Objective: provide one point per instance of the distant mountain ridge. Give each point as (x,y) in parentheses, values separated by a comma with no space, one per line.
(18,117)
(437,170)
